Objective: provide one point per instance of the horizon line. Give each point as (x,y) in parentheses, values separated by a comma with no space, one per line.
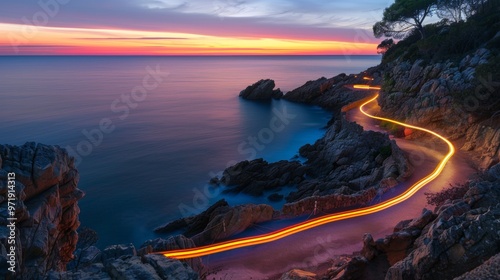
(184,55)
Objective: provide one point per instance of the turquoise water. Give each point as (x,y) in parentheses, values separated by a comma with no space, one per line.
(146,147)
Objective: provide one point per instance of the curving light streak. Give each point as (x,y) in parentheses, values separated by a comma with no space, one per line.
(368,78)
(272,236)
(365,87)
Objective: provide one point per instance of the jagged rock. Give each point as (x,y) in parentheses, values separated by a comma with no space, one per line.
(173,243)
(297,274)
(195,224)
(448,98)
(261,90)
(234,221)
(256,176)
(131,268)
(343,170)
(169,268)
(464,234)
(85,258)
(349,268)
(117,251)
(46,207)
(494,171)
(490,269)
(332,93)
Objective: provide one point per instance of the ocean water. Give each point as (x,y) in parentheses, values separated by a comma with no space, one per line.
(149,132)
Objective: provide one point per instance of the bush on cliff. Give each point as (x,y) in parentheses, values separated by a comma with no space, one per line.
(449,40)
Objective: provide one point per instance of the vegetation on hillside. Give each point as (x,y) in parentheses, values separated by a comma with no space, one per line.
(465,25)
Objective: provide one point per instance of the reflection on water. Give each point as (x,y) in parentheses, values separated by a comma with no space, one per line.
(166,149)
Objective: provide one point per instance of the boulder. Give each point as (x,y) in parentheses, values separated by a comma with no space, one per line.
(234,221)
(261,90)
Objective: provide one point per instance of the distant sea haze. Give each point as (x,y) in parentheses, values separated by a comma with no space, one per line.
(148,144)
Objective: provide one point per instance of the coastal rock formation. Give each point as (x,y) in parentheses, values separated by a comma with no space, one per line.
(46,208)
(347,167)
(256,176)
(195,224)
(351,160)
(220,221)
(333,93)
(123,262)
(450,97)
(261,90)
(461,235)
(234,221)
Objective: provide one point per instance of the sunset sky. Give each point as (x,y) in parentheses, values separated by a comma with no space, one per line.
(197,27)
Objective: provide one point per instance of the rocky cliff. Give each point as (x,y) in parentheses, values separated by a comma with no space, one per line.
(450,96)
(460,235)
(460,239)
(45,206)
(38,233)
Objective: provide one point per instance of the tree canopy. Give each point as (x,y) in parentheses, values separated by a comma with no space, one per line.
(402,17)
(384,46)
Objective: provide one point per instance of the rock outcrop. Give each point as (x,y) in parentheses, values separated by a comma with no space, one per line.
(450,97)
(256,176)
(220,221)
(333,93)
(46,208)
(261,90)
(124,262)
(43,240)
(461,238)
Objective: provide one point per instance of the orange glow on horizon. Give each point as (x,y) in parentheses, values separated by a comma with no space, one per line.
(272,236)
(85,41)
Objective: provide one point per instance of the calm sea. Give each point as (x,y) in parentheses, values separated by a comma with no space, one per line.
(169,137)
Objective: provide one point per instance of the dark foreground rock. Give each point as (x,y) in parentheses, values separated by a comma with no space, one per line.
(46,209)
(261,90)
(256,176)
(220,221)
(346,167)
(125,262)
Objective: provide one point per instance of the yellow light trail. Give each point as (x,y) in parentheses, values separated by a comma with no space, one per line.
(365,87)
(272,236)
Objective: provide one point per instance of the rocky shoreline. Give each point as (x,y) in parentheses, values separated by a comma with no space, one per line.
(347,167)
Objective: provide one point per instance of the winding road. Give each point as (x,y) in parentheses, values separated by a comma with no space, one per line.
(309,225)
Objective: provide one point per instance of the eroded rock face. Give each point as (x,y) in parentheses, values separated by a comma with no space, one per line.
(426,95)
(256,176)
(458,240)
(46,207)
(347,167)
(332,93)
(122,262)
(462,237)
(234,221)
(261,90)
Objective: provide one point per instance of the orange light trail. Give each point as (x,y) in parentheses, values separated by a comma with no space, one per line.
(273,236)
(365,87)
(368,78)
